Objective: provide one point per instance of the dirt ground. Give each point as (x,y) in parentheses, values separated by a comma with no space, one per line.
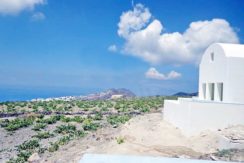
(150,135)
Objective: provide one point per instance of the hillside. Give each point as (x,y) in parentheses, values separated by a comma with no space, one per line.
(105,95)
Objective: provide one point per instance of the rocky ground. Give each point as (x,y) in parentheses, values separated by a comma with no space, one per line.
(28,128)
(150,135)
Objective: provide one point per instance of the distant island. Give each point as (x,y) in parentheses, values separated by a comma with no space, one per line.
(105,95)
(112,93)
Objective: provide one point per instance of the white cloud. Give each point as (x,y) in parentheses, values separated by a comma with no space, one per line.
(132,21)
(152,73)
(112,48)
(14,7)
(173,75)
(144,38)
(38,16)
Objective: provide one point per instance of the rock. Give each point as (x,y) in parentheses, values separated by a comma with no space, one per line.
(213,158)
(34,158)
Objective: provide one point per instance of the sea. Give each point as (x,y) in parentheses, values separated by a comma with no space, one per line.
(29,93)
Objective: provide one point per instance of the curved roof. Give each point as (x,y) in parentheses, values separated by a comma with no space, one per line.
(232,50)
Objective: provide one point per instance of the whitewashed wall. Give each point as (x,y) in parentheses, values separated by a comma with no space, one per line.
(213,71)
(223,69)
(236,80)
(193,116)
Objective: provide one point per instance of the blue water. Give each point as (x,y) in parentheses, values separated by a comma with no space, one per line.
(26,93)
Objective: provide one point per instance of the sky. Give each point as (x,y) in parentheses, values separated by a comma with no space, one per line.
(152,47)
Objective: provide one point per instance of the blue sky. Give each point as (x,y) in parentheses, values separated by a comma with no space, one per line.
(65,44)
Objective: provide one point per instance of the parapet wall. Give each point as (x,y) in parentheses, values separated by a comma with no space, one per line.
(193,116)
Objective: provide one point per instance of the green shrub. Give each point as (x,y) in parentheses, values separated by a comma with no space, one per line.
(64,140)
(19,123)
(17,160)
(43,135)
(39,126)
(80,133)
(120,140)
(54,147)
(72,133)
(24,154)
(224,152)
(118,119)
(145,109)
(25,150)
(35,108)
(4,122)
(65,129)
(66,119)
(78,119)
(104,109)
(98,116)
(41,150)
(29,145)
(50,120)
(89,125)
(40,116)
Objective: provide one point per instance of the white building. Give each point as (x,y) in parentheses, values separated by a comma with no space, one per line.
(221,93)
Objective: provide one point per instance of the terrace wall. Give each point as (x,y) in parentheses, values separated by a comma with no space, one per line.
(193,116)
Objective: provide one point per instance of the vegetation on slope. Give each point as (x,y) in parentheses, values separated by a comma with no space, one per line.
(73,120)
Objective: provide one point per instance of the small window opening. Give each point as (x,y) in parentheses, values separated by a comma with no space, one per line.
(211,91)
(220,91)
(204,90)
(212,57)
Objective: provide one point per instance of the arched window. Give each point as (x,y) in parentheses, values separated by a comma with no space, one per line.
(212,56)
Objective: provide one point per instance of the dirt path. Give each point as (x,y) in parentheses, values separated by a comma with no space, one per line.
(143,135)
